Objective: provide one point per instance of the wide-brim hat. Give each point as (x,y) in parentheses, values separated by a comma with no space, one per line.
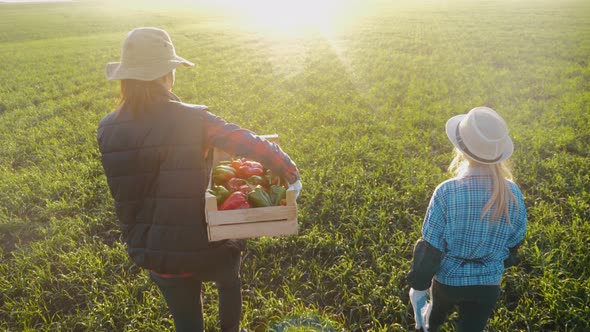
(481,135)
(146,54)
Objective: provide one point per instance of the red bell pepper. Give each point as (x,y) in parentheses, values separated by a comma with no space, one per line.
(234,184)
(236,163)
(247,168)
(252,163)
(237,200)
(245,188)
(246,171)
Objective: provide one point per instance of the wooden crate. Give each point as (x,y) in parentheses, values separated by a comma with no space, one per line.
(253,222)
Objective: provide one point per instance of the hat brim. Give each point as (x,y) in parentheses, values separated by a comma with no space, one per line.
(118,70)
(451,129)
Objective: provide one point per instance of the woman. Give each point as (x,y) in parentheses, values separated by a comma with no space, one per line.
(474,223)
(154,154)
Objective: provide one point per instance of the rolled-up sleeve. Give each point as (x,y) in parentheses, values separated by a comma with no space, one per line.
(425,263)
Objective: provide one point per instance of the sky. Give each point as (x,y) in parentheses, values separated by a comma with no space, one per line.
(283,17)
(35,0)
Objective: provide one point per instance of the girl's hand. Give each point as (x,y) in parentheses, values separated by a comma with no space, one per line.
(421,308)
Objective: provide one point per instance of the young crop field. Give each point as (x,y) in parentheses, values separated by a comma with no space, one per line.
(360,105)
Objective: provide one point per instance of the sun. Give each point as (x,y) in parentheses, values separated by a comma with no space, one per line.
(286,26)
(287,17)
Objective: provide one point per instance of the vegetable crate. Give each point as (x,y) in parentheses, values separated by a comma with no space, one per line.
(253,222)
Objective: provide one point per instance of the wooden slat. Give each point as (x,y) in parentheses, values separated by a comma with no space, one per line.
(252,230)
(290,197)
(271,138)
(210,202)
(242,216)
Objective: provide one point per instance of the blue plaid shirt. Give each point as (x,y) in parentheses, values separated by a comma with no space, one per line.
(473,249)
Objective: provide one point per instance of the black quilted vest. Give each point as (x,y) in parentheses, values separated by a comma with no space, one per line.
(157,174)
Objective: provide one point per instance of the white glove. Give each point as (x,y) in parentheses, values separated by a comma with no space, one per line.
(425,313)
(297,187)
(421,308)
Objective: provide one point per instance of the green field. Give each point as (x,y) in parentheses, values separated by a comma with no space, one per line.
(360,109)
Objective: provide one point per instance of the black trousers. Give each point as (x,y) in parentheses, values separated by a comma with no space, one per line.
(183,296)
(475,304)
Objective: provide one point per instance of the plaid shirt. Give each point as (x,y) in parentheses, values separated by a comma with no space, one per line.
(241,142)
(473,250)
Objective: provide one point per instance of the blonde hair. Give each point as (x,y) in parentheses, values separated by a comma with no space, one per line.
(501,194)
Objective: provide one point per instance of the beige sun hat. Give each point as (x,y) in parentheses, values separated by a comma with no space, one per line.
(481,134)
(146,54)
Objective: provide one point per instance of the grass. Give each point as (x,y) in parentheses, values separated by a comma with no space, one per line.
(361,110)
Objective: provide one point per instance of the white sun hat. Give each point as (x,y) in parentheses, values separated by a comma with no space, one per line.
(146,54)
(481,134)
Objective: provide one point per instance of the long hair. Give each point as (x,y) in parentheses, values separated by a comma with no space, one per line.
(500,174)
(136,95)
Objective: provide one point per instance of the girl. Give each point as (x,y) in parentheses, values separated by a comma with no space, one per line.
(473,225)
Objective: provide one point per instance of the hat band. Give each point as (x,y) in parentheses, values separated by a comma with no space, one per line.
(469,153)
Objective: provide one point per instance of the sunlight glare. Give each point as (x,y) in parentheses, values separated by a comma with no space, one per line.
(287,17)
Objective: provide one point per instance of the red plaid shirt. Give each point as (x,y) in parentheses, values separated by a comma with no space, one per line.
(241,142)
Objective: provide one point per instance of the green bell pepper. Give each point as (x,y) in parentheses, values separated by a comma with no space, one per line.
(222,173)
(258,197)
(220,193)
(277,193)
(256,180)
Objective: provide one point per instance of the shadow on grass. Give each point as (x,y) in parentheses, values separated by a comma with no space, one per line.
(17,234)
